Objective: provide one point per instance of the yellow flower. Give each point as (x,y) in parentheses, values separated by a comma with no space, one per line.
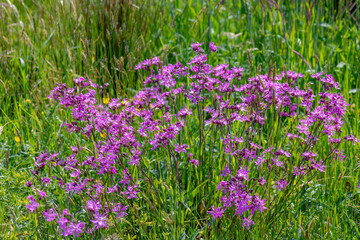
(125,103)
(129,237)
(27,101)
(17,139)
(106,99)
(103,135)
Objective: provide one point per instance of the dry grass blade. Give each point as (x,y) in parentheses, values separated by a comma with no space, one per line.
(356,21)
(308,15)
(343,9)
(306,62)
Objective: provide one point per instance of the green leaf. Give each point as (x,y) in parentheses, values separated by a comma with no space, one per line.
(196,190)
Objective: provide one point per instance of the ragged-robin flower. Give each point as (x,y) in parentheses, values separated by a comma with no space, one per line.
(264,131)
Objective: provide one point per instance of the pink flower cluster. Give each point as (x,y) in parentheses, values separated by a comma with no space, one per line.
(125,131)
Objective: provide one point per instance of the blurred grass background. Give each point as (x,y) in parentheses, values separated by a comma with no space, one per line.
(43,43)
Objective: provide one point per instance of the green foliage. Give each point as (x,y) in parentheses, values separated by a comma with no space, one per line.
(46,42)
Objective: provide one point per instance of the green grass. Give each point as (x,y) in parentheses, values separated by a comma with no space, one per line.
(43,43)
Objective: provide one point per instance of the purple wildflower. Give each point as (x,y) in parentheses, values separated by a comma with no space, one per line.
(247,222)
(181,148)
(33,204)
(93,206)
(225,172)
(194,161)
(62,221)
(213,48)
(197,47)
(28,184)
(281,184)
(42,194)
(50,214)
(216,212)
(352,139)
(76,228)
(131,192)
(242,174)
(99,220)
(46,180)
(262,181)
(120,210)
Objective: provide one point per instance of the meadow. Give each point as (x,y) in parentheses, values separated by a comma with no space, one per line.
(44,43)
